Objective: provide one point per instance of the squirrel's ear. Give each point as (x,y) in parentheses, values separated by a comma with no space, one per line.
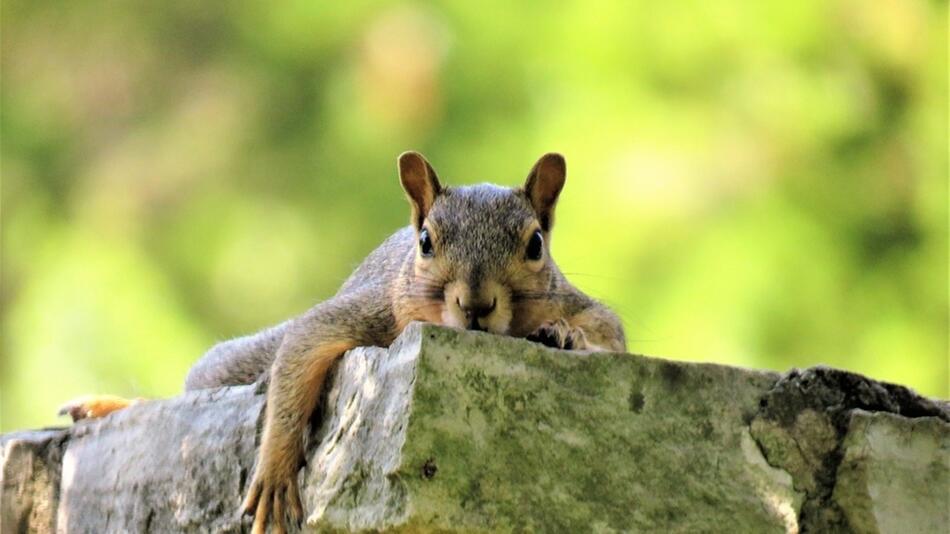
(420,183)
(544,184)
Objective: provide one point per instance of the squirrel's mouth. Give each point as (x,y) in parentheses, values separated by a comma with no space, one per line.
(487,310)
(474,315)
(475,326)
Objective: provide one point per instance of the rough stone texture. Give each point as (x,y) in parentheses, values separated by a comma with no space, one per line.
(168,466)
(894,473)
(803,421)
(29,480)
(463,431)
(526,438)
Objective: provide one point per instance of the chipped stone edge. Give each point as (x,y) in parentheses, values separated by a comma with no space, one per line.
(819,510)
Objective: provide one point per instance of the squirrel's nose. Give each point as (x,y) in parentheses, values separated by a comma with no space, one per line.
(474,311)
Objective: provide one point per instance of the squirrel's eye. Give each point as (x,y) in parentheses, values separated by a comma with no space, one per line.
(425,243)
(535,246)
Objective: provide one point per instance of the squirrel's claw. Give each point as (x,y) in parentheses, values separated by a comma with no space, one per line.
(546,336)
(293,500)
(74,410)
(260,515)
(249,506)
(275,502)
(559,335)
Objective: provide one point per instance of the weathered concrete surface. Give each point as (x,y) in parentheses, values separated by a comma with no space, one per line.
(804,425)
(120,475)
(449,430)
(895,473)
(29,480)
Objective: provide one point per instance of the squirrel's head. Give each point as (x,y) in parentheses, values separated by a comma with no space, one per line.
(482,253)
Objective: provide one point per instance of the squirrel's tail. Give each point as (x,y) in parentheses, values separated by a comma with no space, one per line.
(95,406)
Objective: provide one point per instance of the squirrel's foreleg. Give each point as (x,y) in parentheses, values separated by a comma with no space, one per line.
(297,376)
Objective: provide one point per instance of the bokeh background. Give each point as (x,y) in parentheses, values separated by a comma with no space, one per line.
(754,183)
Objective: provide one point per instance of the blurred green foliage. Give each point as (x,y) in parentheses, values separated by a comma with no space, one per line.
(754,183)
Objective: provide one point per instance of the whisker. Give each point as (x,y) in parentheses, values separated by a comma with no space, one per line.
(599,276)
(517,296)
(427,277)
(427,290)
(432,297)
(422,309)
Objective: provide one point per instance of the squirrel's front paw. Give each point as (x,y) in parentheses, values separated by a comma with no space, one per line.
(560,335)
(273,494)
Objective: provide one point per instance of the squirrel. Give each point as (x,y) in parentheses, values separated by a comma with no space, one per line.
(475,257)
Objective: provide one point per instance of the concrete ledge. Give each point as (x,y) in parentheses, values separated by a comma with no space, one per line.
(464,431)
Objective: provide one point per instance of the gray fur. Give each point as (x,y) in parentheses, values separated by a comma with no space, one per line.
(237,361)
(479,229)
(477,262)
(478,275)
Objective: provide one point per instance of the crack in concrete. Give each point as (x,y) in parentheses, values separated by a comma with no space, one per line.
(791,442)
